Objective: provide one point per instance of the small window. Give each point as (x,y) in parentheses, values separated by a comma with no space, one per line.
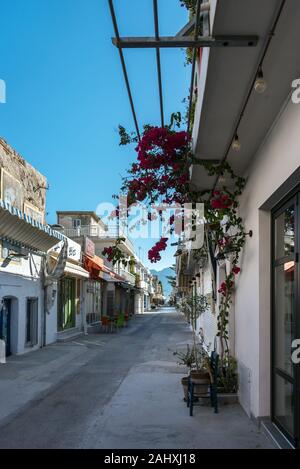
(76,222)
(32,322)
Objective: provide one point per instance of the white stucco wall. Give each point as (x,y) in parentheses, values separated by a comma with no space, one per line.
(276,160)
(138,303)
(20,281)
(208,320)
(51,314)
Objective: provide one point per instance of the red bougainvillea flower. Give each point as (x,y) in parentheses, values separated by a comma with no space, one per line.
(236,270)
(154,252)
(224,288)
(134,168)
(183,179)
(172,220)
(159,147)
(176,167)
(109,253)
(220,201)
(224,241)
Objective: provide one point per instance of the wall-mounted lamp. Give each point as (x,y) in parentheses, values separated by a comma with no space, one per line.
(260,84)
(236,144)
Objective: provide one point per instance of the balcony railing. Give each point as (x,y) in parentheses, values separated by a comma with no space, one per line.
(93,231)
(130,278)
(96,231)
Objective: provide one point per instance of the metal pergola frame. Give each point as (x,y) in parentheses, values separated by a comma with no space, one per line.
(182,40)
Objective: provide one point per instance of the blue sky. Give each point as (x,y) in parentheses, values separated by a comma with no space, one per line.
(66,94)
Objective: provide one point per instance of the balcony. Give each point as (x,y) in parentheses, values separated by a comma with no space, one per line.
(92,231)
(130,278)
(95,231)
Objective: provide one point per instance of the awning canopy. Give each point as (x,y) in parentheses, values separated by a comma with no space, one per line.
(94,265)
(76,270)
(98,270)
(21,230)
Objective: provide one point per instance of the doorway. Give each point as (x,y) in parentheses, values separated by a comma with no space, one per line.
(5,324)
(285,389)
(67,303)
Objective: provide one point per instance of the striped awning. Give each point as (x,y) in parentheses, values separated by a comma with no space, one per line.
(76,270)
(21,230)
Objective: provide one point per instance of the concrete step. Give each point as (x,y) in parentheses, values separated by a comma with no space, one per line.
(69,334)
(94,328)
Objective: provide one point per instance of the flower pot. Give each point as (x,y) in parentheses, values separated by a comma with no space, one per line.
(201,379)
(185,383)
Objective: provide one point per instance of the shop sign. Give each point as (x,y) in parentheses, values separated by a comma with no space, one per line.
(74,249)
(89,247)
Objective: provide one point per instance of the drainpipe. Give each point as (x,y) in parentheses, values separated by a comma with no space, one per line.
(44,312)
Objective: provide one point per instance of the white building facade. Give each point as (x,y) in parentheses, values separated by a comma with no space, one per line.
(265,315)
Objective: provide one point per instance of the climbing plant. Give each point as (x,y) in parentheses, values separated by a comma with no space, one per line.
(160,176)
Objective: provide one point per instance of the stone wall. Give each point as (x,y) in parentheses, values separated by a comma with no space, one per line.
(33,182)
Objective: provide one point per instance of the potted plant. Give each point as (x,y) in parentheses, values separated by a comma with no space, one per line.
(187,359)
(228,380)
(201,373)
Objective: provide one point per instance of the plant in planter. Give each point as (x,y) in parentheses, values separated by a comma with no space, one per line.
(192,306)
(198,305)
(228,376)
(201,373)
(187,359)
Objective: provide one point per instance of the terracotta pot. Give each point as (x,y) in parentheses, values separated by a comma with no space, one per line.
(185,382)
(202,379)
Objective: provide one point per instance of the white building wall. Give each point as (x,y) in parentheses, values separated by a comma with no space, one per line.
(276,160)
(51,317)
(207,322)
(19,281)
(138,303)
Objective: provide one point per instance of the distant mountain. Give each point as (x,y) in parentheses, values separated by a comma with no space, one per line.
(162,275)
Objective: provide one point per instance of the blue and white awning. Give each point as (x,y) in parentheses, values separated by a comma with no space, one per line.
(21,230)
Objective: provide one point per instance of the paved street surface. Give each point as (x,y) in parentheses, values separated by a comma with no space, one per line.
(114,391)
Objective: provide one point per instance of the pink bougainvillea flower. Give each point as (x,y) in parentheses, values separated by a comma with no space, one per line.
(220,201)
(236,270)
(154,252)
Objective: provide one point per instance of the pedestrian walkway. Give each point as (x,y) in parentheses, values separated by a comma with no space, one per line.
(114,391)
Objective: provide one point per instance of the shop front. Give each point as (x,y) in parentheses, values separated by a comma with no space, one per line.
(70,289)
(94,301)
(24,243)
(95,290)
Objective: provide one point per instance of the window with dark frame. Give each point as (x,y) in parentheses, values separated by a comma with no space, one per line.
(31,322)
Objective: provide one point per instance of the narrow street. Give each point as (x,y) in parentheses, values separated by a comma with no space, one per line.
(114,391)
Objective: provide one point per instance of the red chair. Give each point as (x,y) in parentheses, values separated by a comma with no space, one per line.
(105,323)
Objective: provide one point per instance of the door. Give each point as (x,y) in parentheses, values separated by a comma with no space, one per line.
(5,324)
(31,338)
(67,304)
(286,318)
